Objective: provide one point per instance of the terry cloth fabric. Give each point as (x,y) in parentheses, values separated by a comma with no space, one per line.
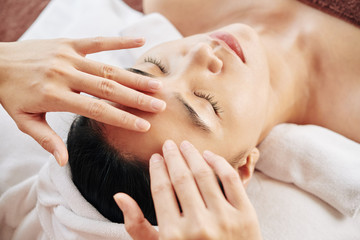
(49,206)
(348,10)
(317,160)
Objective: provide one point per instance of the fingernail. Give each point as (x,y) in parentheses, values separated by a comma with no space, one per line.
(154,85)
(156,158)
(207,154)
(139,40)
(169,145)
(185,145)
(142,125)
(57,157)
(158,105)
(118,199)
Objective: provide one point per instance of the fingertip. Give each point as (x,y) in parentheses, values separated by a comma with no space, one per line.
(186,145)
(118,197)
(140,40)
(154,85)
(142,125)
(169,145)
(61,157)
(158,105)
(208,155)
(156,158)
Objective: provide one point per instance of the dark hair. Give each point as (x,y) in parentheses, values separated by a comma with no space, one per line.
(99,171)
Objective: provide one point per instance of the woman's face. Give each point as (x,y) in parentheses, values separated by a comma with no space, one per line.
(216,97)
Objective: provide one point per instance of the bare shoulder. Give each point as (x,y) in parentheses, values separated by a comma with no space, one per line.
(337,72)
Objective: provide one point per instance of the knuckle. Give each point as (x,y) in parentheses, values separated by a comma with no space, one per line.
(97,42)
(171,154)
(47,94)
(22,127)
(230,176)
(107,88)
(125,119)
(138,82)
(140,99)
(54,69)
(170,234)
(225,225)
(159,188)
(107,71)
(180,178)
(135,226)
(62,50)
(202,173)
(45,142)
(96,109)
(201,232)
(68,42)
(131,228)
(123,41)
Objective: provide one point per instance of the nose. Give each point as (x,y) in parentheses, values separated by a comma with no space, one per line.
(202,55)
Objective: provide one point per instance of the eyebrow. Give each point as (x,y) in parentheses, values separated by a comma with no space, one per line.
(194,117)
(137,71)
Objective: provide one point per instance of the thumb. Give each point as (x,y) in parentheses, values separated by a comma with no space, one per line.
(37,127)
(135,223)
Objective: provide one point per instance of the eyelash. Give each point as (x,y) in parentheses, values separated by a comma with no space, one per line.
(211,99)
(156,62)
(206,96)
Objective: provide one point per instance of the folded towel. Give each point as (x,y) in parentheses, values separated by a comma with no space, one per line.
(49,206)
(286,212)
(317,160)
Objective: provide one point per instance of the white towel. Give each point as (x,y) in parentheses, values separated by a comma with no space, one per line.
(49,206)
(317,160)
(285,211)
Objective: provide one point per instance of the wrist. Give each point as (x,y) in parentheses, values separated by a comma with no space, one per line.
(4,61)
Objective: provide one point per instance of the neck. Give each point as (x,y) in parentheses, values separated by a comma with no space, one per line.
(318,78)
(289,47)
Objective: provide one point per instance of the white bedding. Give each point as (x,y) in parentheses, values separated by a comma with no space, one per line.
(285,211)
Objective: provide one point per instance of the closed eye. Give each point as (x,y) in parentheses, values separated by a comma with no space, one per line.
(158,63)
(211,99)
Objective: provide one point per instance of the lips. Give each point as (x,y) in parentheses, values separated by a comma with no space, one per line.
(231,41)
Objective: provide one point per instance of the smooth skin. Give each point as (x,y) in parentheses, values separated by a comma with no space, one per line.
(40,76)
(206,213)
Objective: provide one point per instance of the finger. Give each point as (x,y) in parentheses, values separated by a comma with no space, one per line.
(102,112)
(112,91)
(166,206)
(204,175)
(233,187)
(135,223)
(98,44)
(37,127)
(182,179)
(125,77)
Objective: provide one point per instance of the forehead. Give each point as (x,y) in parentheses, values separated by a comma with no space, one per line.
(176,46)
(170,124)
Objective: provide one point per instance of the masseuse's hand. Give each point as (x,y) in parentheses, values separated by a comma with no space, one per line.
(40,76)
(206,212)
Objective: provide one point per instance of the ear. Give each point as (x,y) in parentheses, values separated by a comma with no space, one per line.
(246,170)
